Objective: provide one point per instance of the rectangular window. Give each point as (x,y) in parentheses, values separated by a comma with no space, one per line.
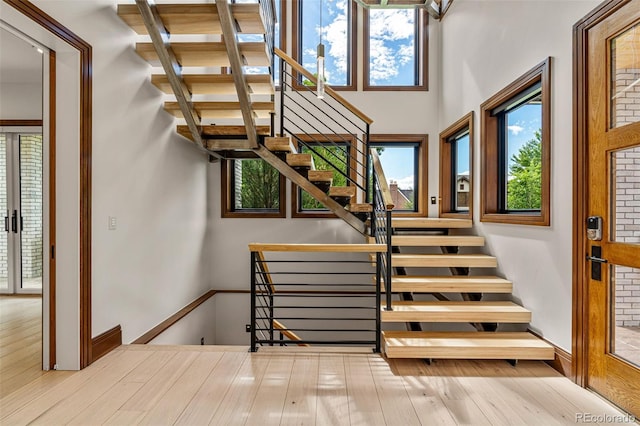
(404,162)
(515,149)
(332,23)
(251,188)
(330,153)
(456,162)
(395,46)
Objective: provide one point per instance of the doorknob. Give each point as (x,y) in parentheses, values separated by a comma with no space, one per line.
(596,262)
(14,221)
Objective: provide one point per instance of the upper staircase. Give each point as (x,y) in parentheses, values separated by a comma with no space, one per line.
(205,57)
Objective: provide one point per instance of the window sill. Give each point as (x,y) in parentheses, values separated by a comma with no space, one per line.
(253,215)
(516,219)
(457,215)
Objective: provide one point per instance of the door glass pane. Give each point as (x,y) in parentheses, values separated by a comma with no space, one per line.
(625,77)
(31,208)
(625,205)
(625,321)
(4,249)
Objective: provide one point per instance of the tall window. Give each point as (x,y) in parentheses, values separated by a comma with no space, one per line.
(333,22)
(456,162)
(404,162)
(251,188)
(395,46)
(516,151)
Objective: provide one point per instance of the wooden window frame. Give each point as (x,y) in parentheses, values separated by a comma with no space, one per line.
(422,61)
(489,151)
(295,189)
(423,163)
(228,212)
(352,60)
(446,172)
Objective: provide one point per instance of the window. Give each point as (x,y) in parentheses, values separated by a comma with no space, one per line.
(515,150)
(404,162)
(334,21)
(334,149)
(456,174)
(251,188)
(395,47)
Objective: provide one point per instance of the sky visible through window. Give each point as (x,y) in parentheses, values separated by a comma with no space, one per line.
(398,165)
(462,168)
(523,123)
(392,47)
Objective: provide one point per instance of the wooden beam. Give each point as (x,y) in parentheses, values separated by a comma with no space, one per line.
(160,38)
(313,190)
(231,43)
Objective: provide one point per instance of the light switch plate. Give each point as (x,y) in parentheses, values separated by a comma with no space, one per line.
(113,223)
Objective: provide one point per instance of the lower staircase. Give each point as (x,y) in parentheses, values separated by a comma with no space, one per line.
(455,301)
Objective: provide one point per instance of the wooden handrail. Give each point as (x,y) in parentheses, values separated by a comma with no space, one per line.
(382,180)
(285,331)
(326,248)
(299,68)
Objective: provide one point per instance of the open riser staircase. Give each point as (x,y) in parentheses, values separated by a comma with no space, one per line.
(201,53)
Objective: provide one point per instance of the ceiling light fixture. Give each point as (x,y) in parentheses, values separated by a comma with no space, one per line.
(320,61)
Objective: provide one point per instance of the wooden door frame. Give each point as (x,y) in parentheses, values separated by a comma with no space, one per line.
(85,51)
(580,315)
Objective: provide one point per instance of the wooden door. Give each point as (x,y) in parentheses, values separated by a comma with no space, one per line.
(614,196)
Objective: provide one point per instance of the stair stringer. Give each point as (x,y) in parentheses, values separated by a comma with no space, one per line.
(313,190)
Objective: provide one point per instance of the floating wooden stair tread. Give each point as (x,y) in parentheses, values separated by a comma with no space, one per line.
(437,240)
(196,18)
(438,311)
(320,176)
(342,191)
(450,284)
(466,345)
(429,222)
(444,260)
(300,160)
(360,208)
(213,132)
(208,54)
(219,110)
(216,84)
(280,144)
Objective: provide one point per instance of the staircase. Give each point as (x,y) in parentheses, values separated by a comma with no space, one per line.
(457,298)
(229,113)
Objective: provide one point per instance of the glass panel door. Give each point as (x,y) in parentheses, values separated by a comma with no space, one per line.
(30,226)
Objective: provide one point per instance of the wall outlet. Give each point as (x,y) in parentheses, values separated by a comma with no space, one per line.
(247,328)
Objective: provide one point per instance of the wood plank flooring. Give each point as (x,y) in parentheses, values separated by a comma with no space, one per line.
(20,341)
(218,385)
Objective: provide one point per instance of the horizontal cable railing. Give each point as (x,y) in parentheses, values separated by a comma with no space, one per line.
(315,294)
(331,128)
(381,220)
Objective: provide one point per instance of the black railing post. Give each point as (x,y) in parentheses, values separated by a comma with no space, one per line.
(367,168)
(378,301)
(253,302)
(270,318)
(282,88)
(387,278)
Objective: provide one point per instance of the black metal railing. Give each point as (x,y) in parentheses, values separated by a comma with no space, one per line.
(330,122)
(381,226)
(316,293)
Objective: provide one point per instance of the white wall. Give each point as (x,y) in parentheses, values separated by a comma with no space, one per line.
(485,46)
(20,101)
(151,180)
(198,324)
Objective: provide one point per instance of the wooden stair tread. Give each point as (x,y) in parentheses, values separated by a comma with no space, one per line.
(450,284)
(279,144)
(217,84)
(466,345)
(210,132)
(300,160)
(456,311)
(208,54)
(360,208)
(437,240)
(342,191)
(219,110)
(443,261)
(196,18)
(320,176)
(430,222)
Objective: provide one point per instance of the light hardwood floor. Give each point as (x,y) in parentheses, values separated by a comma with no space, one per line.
(193,385)
(20,341)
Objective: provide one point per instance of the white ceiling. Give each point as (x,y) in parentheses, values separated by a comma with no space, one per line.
(20,62)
